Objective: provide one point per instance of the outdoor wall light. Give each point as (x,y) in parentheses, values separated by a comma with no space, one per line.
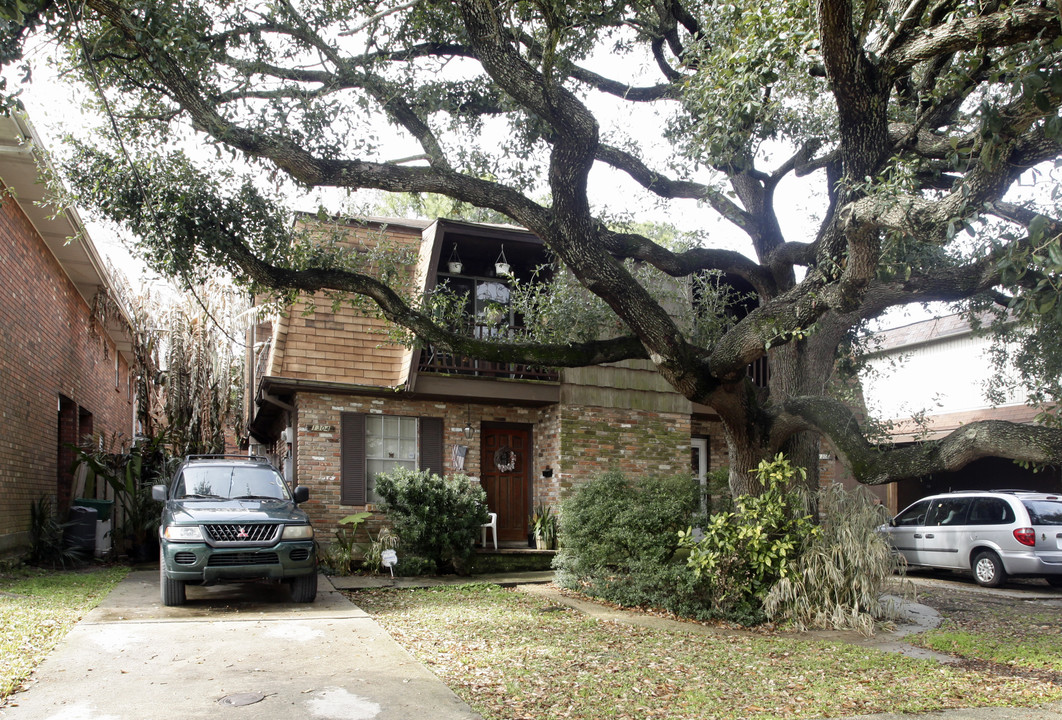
(469,431)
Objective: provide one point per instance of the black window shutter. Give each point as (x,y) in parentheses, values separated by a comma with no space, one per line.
(431,445)
(352,458)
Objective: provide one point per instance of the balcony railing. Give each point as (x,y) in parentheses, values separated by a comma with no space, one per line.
(433,360)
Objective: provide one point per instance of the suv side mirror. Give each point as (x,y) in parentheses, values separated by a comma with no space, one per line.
(302,494)
(158,492)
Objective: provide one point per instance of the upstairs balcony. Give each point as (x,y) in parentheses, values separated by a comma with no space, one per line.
(477,269)
(476,263)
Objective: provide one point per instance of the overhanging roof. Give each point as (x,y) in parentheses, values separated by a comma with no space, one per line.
(24,169)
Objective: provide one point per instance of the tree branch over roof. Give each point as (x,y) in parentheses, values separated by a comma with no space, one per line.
(874,465)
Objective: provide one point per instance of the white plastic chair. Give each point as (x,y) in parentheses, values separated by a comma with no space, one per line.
(493,525)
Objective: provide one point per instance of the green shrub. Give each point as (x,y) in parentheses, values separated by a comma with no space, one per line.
(742,554)
(842,570)
(436,518)
(47,548)
(717,491)
(620,540)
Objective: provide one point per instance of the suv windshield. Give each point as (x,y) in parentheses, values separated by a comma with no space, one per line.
(1044,512)
(229,482)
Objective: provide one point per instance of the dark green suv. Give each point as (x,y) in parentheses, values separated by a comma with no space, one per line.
(230,518)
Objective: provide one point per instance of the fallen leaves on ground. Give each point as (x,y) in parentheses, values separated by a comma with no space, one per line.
(514,656)
(37,611)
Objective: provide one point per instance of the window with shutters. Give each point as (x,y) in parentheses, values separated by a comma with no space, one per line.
(390,442)
(372,444)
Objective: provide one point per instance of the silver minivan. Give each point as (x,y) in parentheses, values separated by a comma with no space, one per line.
(991,534)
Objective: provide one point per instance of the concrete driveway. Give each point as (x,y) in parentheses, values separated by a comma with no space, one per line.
(234,651)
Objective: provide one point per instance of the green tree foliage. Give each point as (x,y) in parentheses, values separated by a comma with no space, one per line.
(435,518)
(905,127)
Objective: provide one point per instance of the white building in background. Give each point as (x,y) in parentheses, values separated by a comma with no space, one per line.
(937,371)
(937,368)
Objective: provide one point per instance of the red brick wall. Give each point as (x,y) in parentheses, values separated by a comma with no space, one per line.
(48,349)
(317,454)
(635,442)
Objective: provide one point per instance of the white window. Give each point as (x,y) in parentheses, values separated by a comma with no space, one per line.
(390,442)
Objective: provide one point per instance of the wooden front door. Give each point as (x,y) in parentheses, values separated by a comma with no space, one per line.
(506,475)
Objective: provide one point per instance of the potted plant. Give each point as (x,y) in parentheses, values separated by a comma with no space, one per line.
(501,265)
(544,526)
(454,264)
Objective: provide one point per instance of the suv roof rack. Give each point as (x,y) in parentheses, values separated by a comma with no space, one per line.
(227,456)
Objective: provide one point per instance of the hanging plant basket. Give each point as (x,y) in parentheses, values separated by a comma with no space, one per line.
(455,263)
(501,265)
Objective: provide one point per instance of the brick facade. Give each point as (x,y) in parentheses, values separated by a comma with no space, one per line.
(57,375)
(570,444)
(620,416)
(596,439)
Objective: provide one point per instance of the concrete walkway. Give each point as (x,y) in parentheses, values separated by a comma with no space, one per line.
(234,651)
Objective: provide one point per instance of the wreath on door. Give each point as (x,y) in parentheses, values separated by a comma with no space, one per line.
(505,459)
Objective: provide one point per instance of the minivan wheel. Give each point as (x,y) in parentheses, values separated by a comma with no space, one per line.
(172,591)
(988,569)
(304,588)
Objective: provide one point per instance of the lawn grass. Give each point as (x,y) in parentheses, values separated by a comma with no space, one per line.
(37,608)
(1038,652)
(511,655)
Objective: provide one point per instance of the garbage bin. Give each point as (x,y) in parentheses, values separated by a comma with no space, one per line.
(103,508)
(80,534)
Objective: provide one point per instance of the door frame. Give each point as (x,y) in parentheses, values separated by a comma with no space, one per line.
(529,428)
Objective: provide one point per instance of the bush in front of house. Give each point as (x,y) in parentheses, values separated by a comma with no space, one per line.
(620,540)
(437,519)
(842,571)
(742,553)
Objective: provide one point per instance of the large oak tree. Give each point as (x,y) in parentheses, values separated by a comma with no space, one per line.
(922,114)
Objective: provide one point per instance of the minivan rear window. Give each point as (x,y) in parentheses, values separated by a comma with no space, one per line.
(1044,512)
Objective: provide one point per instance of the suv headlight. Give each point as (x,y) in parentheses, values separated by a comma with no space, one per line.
(297,532)
(183,532)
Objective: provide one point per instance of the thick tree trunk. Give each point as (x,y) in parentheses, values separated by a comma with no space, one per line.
(753,433)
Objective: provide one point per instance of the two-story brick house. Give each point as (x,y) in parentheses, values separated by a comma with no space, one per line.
(339,402)
(64,373)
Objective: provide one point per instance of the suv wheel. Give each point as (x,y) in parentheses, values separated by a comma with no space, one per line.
(304,588)
(172,591)
(988,569)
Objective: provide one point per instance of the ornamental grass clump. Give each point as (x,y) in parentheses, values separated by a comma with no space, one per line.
(841,572)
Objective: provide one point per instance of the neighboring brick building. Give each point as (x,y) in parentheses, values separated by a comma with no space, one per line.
(340,401)
(63,374)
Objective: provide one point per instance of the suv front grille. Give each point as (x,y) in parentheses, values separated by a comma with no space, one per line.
(241,533)
(243,558)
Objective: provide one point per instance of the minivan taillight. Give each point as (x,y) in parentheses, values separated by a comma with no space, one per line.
(1026,536)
